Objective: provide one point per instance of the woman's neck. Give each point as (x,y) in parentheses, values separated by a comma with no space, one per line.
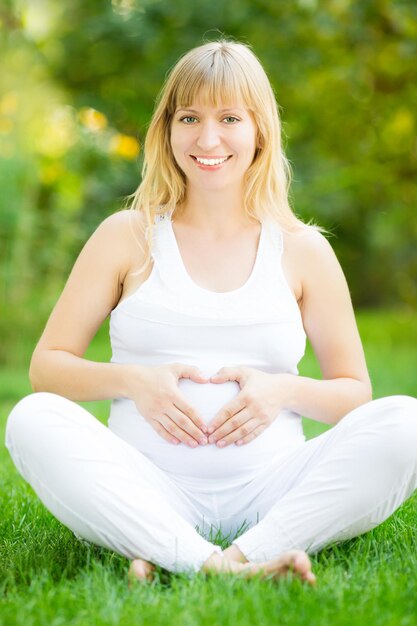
(216,213)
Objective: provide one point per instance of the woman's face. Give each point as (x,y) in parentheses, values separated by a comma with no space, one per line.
(213,146)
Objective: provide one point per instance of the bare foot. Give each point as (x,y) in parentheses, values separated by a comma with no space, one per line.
(140,570)
(295,561)
(232,553)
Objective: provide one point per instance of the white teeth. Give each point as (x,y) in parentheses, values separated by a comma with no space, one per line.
(211,161)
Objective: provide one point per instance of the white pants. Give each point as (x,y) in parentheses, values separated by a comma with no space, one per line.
(333,487)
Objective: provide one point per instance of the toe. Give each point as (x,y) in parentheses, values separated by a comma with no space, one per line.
(301,565)
(140,570)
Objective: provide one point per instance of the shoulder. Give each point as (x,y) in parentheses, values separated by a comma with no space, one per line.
(124,223)
(311,261)
(124,234)
(310,249)
(307,242)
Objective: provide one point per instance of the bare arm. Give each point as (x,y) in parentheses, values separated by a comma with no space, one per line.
(91,292)
(330,325)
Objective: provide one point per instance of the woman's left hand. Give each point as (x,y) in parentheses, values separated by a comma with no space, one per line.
(261,398)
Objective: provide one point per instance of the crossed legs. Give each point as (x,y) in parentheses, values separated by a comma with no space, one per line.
(340,485)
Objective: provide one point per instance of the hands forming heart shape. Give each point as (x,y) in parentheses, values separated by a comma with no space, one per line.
(250,400)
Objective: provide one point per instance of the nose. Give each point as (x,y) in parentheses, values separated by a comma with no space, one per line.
(208,137)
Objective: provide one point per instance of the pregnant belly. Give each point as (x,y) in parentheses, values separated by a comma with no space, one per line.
(206,462)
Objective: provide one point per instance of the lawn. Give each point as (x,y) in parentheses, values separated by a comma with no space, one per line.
(47,577)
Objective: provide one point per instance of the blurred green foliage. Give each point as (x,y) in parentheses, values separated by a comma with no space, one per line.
(78,83)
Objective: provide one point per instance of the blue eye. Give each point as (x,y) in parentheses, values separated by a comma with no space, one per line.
(231,117)
(187,117)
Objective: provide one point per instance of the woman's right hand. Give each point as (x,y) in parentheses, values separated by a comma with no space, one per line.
(155,392)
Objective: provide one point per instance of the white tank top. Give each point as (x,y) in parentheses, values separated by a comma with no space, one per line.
(170,319)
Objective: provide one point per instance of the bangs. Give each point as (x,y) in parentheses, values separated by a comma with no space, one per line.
(213,80)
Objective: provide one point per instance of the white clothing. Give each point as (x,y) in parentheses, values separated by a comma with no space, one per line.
(126,488)
(170,319)
(333,487)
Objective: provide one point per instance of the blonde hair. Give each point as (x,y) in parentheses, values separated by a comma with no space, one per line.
(219,72)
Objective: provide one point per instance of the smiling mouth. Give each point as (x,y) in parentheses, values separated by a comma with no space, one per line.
(212,162)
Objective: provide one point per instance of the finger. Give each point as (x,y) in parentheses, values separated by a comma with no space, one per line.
(171,425)
(251,436)
(244,431)
(190,413)
(184,423)
(191,372)
(165,434)
(227,373)
(226,413)
(231,425)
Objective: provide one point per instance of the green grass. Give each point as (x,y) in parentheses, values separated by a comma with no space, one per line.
(48,577)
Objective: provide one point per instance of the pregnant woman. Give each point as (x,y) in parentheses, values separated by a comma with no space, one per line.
(212,285)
